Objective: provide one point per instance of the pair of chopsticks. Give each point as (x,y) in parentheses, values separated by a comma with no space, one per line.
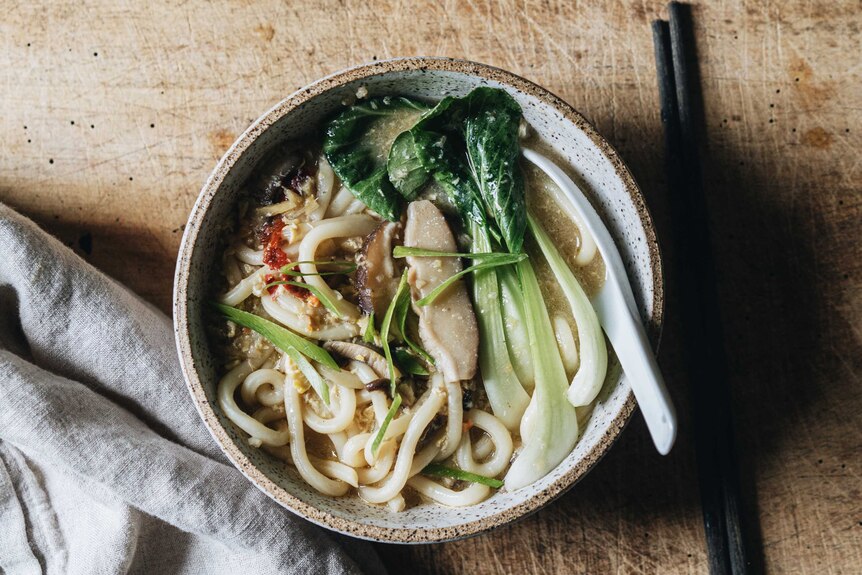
(682,116)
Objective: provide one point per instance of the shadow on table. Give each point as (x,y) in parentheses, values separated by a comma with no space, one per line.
(791,356)
(133,255)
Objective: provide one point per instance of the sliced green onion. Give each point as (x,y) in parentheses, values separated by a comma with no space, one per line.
(314,379)
(408,362)
(404,251)
(280,336)
(401,321)
(381,433)
(503,260)
(295,346)
(438,470)
(315,291)
(370,331)
(385,327)
(300,274)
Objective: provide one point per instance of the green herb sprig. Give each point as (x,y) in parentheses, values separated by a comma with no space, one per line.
(437,470)
(381,433)
(299,349)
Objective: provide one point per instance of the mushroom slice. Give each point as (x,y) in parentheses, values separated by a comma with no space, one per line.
(377,276)
(447,326)
(361,353)
(275,170)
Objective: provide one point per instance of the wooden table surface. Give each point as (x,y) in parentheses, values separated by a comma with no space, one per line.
(114,115)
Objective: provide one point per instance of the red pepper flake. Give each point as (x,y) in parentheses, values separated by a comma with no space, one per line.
(467,426)
(295,290)
(273,255)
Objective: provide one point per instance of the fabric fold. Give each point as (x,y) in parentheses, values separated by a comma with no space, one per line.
(95,406)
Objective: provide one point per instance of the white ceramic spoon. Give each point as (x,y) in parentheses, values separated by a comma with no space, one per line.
(618,313)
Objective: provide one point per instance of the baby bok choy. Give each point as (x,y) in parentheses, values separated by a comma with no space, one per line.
(590,375)
(505,392)
(552,431)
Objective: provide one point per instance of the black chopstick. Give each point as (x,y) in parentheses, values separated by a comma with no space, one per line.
(682,116)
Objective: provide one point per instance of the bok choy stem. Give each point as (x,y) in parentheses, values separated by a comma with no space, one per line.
(505,392)
(554,426)
(593,367)
(515,324)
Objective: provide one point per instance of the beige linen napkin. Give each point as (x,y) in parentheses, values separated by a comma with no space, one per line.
(105,466)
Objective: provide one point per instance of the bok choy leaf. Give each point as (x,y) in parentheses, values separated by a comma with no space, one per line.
(491,134)
(406,171)
(360,161)
(444,161)
(470,146)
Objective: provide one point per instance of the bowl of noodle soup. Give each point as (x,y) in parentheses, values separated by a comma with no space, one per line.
(310,443)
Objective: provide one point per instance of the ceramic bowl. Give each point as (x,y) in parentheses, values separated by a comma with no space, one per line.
(589,158)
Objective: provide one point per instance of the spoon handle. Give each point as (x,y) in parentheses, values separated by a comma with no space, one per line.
(618,313)
(630,342)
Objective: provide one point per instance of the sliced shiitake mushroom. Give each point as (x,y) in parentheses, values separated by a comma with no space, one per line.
(447,327)
(378,274)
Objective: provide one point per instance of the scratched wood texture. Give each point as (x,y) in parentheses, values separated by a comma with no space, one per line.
(114,114)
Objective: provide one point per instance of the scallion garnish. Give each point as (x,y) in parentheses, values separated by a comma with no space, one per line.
(403,306)
(502,260)
(296,347)
(404,251)
(381,433)
(408,362)
(370,331)
(385,327)
(438,470)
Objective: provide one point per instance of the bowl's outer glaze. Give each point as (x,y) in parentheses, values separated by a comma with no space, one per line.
(591,161)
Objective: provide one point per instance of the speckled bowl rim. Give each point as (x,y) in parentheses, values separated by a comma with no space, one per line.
(181,323)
